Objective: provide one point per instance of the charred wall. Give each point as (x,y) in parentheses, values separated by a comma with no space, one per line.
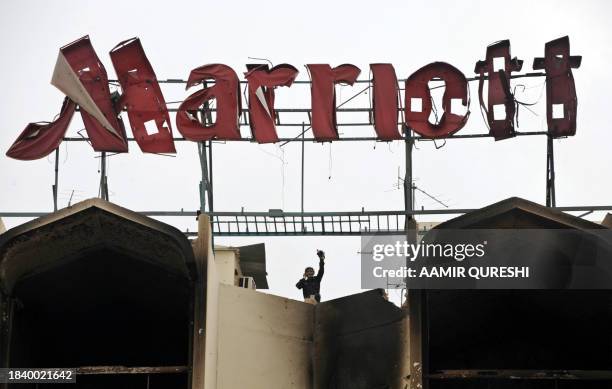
(361,341)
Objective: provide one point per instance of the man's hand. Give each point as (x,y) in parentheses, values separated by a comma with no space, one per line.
(321,254)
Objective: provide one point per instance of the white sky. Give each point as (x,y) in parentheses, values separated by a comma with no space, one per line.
(179,36)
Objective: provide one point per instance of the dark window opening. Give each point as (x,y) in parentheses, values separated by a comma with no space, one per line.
(103,308)
(531,330)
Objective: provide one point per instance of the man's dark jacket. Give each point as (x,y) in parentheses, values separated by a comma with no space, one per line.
(312,286)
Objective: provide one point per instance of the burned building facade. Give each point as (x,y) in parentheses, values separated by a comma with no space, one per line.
(129,301)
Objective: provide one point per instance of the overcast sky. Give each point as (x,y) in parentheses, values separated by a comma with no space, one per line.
(344,176)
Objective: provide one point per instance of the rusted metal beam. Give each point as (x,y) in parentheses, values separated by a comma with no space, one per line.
(342,139)
(522,374)
(456,211)
(236,223)
(308,82)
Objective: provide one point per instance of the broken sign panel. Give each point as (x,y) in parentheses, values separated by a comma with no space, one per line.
(419,104)
(38,140)
(500,108)
(80,75)
(143,98)
(561,99)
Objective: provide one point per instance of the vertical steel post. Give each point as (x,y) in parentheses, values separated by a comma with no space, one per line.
(550,173)
(210,178)
(206,165)
(415,298)
(103,178)
(408,187)
(302,188)
(204,171)
(55,185)
(211,207)
(206,189)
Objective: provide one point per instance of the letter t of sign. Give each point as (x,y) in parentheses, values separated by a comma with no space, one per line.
(561,100)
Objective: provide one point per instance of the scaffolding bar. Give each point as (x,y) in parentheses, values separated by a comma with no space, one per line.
(308,82)
(345,139)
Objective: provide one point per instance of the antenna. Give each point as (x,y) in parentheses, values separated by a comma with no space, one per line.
(400,182)
(428,195)
(70,199)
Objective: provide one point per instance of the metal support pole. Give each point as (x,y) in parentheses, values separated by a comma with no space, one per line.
(206,165)
(103,178)
(414,188)
(204,180)
(550,173)
(415,298)
(210,178)
(408,186)
(55,185)
(302,188)
(206,190)
(210,194)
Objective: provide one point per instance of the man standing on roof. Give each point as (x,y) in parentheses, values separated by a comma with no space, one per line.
(311,284)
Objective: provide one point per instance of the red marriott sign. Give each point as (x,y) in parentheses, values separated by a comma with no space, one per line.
(80,75)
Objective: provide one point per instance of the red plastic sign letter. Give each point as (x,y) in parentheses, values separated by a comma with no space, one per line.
(323,96)
(385,101)
(419,105)
(226,91)
(37,140)
(143,98)
(500,107)
(81,76)
(561,100)
(262,82)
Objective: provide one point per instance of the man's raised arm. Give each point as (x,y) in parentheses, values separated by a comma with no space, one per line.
(321,271)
